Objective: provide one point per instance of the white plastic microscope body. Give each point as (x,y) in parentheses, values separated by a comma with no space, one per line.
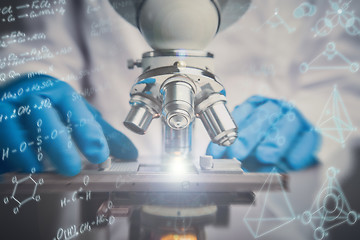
(178,24)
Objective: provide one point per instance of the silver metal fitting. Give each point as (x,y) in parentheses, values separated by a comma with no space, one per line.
(217,120)
(131,63)
(142,111)
(138,119)
(178,103)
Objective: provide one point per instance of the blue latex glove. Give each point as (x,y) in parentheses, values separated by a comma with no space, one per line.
(44,117)
(271,132)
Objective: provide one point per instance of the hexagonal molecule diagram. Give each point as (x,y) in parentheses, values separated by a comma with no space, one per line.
(21,200)
(330,208)
(334,121)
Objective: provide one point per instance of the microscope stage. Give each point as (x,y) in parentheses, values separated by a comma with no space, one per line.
(225,177)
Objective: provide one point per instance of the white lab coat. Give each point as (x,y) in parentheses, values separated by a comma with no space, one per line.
(253,56)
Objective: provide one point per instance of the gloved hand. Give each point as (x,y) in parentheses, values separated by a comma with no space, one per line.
(43,117)
(273,132)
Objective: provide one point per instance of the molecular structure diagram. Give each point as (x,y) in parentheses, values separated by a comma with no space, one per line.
(65,201)
(20,200)
(276,20)
(339,15)
(335,122)
(330,208)
(331,54)
(305,9)
(258,223)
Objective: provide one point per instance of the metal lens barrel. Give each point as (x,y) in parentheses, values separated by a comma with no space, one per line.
(178,104)
(139,118)
(218,121)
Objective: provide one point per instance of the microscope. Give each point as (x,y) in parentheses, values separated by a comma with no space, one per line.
(177,84)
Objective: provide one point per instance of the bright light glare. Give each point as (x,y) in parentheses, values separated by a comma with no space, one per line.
(178,165)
